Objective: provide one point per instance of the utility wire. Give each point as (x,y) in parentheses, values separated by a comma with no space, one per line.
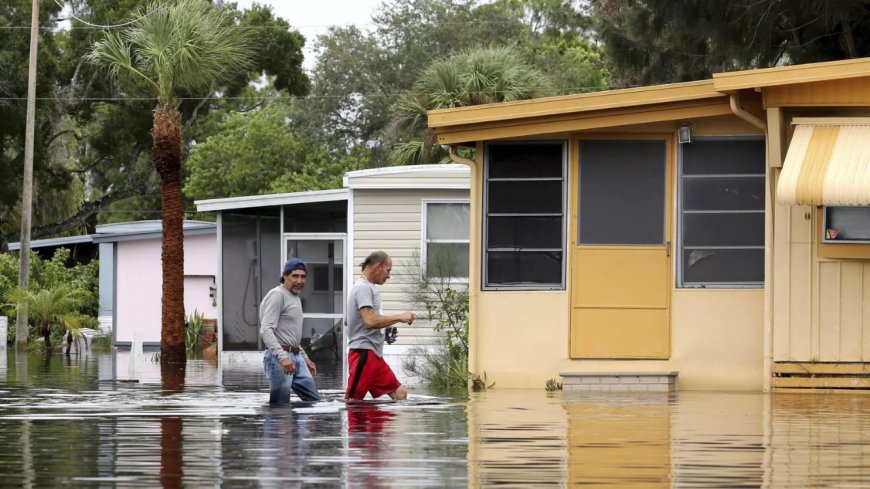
(112,26)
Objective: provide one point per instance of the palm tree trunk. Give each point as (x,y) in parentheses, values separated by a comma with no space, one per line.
(46,337)
(167,161)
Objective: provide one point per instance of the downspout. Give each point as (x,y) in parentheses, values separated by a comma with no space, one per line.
(768,242)
(473,259)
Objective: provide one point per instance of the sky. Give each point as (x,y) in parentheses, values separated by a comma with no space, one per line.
(313,17)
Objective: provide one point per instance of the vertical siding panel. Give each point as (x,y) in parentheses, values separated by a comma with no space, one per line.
(782,283)
(850,311)
(865,311)
(800,324)
(829,312)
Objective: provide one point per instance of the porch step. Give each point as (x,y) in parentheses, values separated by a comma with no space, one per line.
(817,376)
(620,381)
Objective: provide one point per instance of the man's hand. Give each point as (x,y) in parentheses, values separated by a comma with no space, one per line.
(289,366)
(407,317)
(311,366)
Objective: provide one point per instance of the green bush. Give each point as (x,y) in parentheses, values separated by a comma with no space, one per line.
(446,304)
(83,280)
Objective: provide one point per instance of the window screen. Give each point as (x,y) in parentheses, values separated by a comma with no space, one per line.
(721,209)
(524,228)
(622,192)
(446,235)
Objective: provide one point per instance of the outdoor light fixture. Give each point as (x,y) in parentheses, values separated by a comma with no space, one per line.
(684,133)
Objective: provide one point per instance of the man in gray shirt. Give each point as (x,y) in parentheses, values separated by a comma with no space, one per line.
(285,362)
(368,372)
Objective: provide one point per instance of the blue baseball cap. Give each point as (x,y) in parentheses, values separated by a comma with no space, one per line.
(295,264)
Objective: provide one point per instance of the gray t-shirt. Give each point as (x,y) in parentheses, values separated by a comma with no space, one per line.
(280,320)
(364,294)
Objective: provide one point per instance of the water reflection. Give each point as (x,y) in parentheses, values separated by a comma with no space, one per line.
(62,423)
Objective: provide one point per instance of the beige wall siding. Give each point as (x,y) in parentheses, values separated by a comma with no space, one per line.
(821,306)
(391,220)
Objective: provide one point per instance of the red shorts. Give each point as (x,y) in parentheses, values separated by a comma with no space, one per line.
(369,373)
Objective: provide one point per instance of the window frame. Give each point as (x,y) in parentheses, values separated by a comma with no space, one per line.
(680,248)
(424,238)
(484,248)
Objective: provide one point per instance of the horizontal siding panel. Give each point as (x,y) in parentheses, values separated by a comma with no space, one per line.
(380,226)
(376,217)
(392,235)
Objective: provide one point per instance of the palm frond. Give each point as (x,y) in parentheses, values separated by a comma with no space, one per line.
(187,45)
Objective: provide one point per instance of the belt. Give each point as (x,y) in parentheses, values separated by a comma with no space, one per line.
(291,349)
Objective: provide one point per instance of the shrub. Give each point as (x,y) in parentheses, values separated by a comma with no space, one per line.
(82,280)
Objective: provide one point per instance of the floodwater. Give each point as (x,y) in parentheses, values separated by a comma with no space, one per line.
(73,423)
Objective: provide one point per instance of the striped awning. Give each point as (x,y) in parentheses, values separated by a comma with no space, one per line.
(828,163)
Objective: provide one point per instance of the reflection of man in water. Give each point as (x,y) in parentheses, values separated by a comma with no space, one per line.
(368,372)
(285,362)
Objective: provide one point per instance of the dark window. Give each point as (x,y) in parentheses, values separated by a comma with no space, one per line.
(721,209)
(846,224)
(524,228)
(622,193)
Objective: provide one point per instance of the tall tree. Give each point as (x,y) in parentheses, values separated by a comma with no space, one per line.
(659,41)
(479,76)
(185,46)
(360,74)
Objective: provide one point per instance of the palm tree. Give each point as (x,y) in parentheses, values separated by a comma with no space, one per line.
(186,46)
(55,306)
(477,76)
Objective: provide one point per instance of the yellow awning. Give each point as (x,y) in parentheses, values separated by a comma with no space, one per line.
(828,163)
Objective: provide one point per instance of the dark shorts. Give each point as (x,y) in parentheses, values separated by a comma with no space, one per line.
(369,373)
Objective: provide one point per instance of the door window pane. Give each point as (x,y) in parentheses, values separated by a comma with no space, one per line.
(622,192)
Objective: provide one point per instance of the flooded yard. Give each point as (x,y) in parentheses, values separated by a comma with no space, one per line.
(72,423)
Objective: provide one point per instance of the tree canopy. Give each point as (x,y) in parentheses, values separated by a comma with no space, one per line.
(659,41)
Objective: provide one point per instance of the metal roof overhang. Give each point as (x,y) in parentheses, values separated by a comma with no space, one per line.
(827,163)
(250,201)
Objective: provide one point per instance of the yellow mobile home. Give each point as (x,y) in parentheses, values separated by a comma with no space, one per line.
(711,231)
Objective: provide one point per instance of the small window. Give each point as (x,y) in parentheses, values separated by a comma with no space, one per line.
(721,211)
(524,220)
(445,236)
(846,225)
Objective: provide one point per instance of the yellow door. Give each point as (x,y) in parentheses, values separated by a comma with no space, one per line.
(620,273)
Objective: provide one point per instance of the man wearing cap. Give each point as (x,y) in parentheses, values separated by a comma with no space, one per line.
(285,362)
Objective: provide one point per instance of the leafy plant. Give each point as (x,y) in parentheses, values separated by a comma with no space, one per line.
(446,304)
(102,342)
(478,383)
(81,279)
(52,310)
(192,329)
(552,385)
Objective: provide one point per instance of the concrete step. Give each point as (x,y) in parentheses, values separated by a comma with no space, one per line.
(620,381)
